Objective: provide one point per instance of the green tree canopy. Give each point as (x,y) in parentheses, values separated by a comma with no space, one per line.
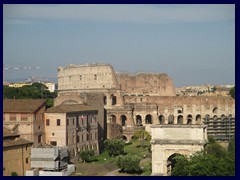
(114,147)
(34,91)
(214,160)
(128,163)
(85,155)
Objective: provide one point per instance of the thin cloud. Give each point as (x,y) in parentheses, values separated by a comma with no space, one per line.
(119,13)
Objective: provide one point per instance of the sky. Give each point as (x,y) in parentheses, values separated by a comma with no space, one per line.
(194,44)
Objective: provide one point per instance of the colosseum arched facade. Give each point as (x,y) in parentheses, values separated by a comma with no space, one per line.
(136,101)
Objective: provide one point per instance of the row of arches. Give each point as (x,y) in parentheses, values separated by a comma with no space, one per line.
(113,99)
(123,119)
(170,119)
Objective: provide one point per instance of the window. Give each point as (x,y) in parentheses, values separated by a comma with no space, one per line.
(53,134)
(78,138)
(13,117)
(53,143)
(26,160)
(58,122)
(39,138)
(80,77)
(47,122)
(95,77)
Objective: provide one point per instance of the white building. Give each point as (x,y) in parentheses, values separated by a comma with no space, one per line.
(50,86)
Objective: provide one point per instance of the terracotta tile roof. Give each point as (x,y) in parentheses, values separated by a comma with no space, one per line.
(15,142)
(22,105)
(70,108)
(7,132)
(12,139)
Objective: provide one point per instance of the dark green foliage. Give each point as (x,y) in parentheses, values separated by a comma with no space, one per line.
(214,160)
(231,146)
(142,135)
(34,91)
(86,155)
(128,163)
(14,174)
(181,168)
(232,92)
(215,149)
(114,147)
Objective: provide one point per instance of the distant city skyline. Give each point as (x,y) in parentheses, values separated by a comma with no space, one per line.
(193,44)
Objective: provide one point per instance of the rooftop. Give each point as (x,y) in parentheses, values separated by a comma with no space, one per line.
(22,105)
(70,108)
(11,139)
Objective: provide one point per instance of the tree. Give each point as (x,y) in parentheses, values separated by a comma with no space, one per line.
(232,92)
(114,147)
(142,136)
(34,91)
(214,160)
(181,168)
(215,149)
(85,155)
(128,163)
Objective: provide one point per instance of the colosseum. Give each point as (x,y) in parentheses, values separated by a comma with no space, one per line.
(129,102)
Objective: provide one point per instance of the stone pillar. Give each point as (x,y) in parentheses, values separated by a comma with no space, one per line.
(158,164)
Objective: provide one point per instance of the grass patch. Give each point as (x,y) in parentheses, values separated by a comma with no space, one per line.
(146,168)
(102,158)
(138,148)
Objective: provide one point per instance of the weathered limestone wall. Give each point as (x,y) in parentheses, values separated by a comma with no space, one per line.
(146,83)
(168,140)
(86,77)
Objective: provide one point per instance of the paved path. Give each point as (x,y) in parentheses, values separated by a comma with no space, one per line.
(113,173)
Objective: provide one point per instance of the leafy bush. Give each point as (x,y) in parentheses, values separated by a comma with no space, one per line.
(85,155)
(128,163)
(114,147)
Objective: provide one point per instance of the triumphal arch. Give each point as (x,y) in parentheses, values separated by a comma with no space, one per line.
(170,140)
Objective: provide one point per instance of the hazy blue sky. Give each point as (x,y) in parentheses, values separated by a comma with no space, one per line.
(193,44)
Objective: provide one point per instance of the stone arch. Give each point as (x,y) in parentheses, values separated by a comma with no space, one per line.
(170,119)
(105,100)
(206,119)
(180,110)
(230,116)
(148,119)
(223,120)
(114,99)
(165,145)
(215,118)
(223,117)
(139,120)
(180,119)
(161,119)
(124,138)
(198,119)
(215,110)
(189,119)
(113,119)
(171,162)
(68,102)
(123,120)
